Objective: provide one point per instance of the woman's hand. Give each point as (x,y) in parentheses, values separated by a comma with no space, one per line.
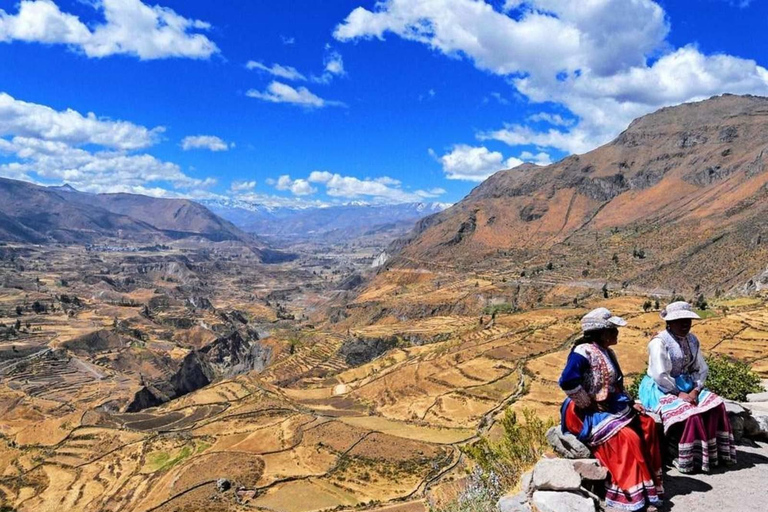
(692,397)
(638,407)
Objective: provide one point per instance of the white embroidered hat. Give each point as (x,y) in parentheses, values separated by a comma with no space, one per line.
(679,310)
(601,318)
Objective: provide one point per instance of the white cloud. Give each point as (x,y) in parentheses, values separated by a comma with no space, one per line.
(130,27)
(474,163)
(97,171)
(333,66)
(605,61)
(286,72)
(42,144)
(553,119)
(380,190)
(540,158)
(281,93)
(242,186)
(39,121)
(209,142)
(288,40)
(300,187)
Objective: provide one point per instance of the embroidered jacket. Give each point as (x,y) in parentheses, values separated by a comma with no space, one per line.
(669,357)
(591,374)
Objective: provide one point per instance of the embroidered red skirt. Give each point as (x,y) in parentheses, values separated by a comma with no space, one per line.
(633,458)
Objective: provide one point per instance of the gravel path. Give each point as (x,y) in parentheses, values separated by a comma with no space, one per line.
(743,488)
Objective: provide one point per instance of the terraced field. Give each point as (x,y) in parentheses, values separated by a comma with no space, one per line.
(438,359)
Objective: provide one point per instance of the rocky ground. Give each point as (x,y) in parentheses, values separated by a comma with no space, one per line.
(737,489)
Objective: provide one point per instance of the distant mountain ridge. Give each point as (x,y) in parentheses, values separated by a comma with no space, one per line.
(678,201)
(32,213)
(339,222)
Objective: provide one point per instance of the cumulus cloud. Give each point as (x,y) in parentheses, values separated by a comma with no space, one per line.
(381,190)
(474,163)
(286,72)
(282,93)
(606,61)
(130,27)
(209,142)
(69,126)
(91,153)
(242,186)
(91,171)
(299,187)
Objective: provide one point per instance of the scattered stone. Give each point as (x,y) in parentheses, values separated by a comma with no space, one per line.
(757,397)
(567,445)
(590,469)
(223,485)
(515,503)
(555,475)
(548,501)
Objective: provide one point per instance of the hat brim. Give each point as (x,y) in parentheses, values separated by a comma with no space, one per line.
(617,321)
(681,315)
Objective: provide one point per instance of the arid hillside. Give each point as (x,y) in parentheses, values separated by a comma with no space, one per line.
(31,213)
(678,200)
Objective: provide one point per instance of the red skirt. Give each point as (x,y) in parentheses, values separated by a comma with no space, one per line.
(633,458)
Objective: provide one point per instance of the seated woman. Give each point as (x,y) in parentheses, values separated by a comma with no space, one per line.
(604,417)
(696,424)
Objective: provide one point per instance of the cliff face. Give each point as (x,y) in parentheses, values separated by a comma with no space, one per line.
(228,356)
(687,185)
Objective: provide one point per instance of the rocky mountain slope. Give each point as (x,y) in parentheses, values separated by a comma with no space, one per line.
(31,213)
(677,201)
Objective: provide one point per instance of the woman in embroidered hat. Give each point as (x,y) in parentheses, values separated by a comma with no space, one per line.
(602,415)
(696,424)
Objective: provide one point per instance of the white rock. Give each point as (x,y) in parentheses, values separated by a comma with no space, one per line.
(566,444)
(556,475)
(734,407)
(340,389)
(757,397)
(526,483)
(515,503)
(549,501)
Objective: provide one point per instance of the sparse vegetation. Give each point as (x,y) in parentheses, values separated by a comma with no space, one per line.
(521,444)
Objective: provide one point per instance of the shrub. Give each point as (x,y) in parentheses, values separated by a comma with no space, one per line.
(521,444)
(731,379)
(504,307)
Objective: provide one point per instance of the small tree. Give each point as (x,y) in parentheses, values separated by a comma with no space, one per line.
(701,302)
(605,291)
(647,306)
(19,310)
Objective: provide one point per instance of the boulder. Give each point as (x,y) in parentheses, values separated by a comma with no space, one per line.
(515,503)
(756,426)
(526,483)
(555,475)
(734,408)
(548,501)
(757,397)
(590,469)
(567,445)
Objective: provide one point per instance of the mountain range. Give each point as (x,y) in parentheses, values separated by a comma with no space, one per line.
(327,223)
(676,201)
(32,213)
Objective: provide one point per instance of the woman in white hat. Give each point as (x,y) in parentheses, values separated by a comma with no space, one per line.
(604,417)
(696,424)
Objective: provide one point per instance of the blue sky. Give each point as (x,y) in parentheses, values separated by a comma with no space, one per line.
(302,101)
